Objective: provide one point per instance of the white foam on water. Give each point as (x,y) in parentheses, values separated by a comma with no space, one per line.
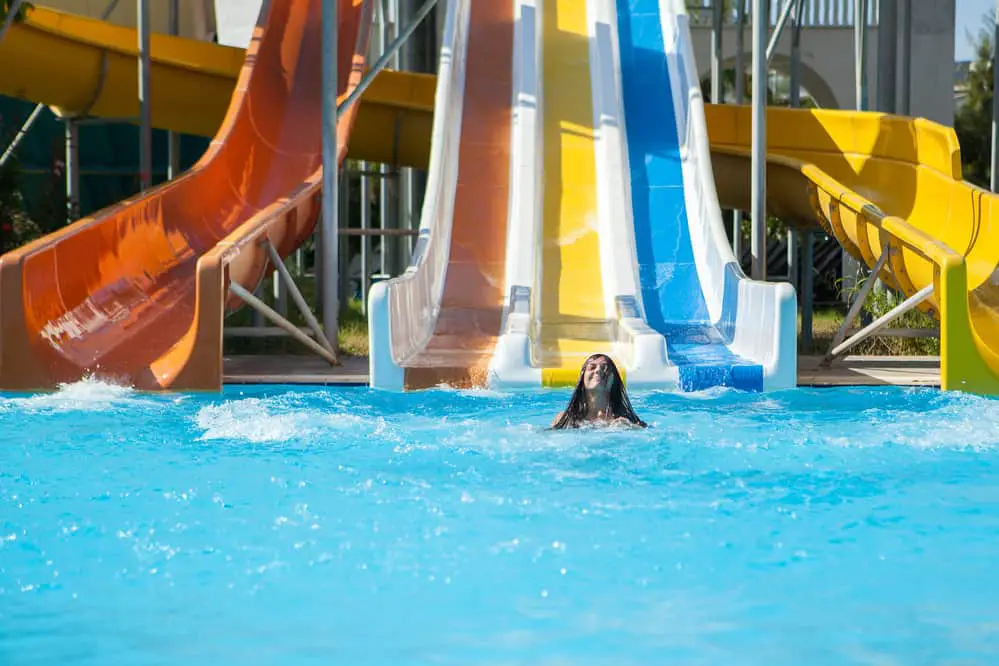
(88,394)
(260,420)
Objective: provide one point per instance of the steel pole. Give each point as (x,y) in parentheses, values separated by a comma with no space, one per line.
(366,240)
(21,133)
(758,243)
(740,98)
(72,171)
(807,288)
(145,118)
(994,167)
(331,167)
(11,13)
(850,266)
(793,268)
(391,247)
(887,66)
(860,46)
(717,14)
(740,46)
(795,82)
(173,139)
(785,12)
(905,75)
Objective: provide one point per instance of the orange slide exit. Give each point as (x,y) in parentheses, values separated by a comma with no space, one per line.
(137,293)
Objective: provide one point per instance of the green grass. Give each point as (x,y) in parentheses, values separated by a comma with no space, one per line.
(826,322)
(351,341)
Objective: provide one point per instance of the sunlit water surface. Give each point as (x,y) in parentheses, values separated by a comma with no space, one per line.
(285,525)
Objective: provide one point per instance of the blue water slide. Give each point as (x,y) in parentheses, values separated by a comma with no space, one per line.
(671,287)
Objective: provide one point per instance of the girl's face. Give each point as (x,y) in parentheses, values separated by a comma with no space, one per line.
(597,373)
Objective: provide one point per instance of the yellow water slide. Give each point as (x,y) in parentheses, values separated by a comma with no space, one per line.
(573,321)
(877,181)
(84,67)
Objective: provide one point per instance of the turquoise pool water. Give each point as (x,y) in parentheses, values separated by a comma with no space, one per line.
(318,526)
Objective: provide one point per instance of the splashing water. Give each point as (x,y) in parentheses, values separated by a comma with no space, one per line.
(289,525)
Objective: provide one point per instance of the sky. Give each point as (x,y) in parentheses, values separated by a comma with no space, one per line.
(970,15)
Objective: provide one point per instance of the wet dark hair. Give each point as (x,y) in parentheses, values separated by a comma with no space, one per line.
(575,414)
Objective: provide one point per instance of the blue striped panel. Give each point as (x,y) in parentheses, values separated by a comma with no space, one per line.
(671,289)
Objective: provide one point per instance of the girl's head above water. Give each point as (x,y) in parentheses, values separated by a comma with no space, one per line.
(599,396)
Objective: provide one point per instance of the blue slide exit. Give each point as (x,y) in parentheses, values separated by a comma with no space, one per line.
(671,290)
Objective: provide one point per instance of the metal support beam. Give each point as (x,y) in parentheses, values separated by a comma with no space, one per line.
(785,12)
(261,332)
(905,75)
(795,83)
(173,139)
(759,146)
(390,186)
(296,296)
(905,306)
(292,330)
(887,62)
(72,171)
(994,167)
(792,257)
(860,53)
(391,52)
(807,286)
(21,133)
(145,104)
(343,270)
(329,241)
(857,304)
(740,98)
(740,47)
(112,4)
(794,91)
(11,13)
(365,240)
(717,16)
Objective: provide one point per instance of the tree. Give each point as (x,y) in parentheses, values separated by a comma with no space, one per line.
(973,121)
(16,228)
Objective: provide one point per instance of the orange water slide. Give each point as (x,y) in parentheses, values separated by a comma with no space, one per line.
(471,308)
(138,292)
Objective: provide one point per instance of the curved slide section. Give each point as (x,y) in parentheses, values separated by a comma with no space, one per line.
(138,291)
(721,329)
(876,181)
(85,67)
(438,322)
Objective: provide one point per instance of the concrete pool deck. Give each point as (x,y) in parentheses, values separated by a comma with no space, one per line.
(848,371)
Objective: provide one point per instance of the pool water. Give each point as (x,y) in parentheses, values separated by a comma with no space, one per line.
(285,525)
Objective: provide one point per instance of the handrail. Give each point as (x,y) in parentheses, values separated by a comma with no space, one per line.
(389,53)
(916,240)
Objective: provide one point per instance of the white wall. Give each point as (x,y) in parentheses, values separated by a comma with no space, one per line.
(827,53)
(235,20)
(197,17)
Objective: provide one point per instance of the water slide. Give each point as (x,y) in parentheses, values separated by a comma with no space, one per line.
(438,322)
(84,67)
(612,236)
(876,181)
(870,179)
(138,291)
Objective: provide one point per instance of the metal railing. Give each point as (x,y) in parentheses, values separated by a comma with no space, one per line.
(815,13)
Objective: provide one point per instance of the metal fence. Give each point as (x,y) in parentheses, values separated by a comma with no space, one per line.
(815,13)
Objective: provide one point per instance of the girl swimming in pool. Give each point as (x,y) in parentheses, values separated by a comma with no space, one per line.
(599,397)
